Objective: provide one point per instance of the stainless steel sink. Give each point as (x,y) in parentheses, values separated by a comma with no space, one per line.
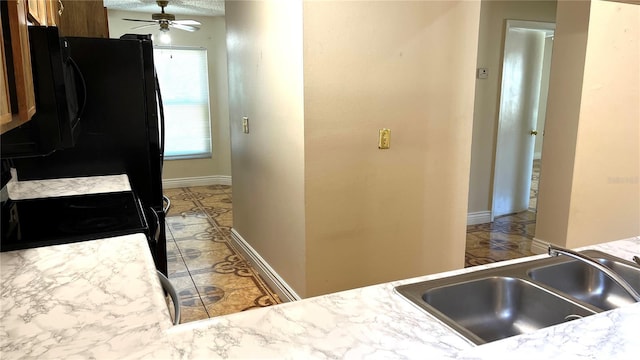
(493,304)
(498,307)
(587,284)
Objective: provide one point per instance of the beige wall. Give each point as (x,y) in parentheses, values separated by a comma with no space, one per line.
(563,106)
(264,42)
(378,215)
(589,190)
(487,93)
(212,37)
(325,208)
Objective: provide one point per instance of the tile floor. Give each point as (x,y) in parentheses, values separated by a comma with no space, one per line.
(213,279)
(508,237)
(210,277)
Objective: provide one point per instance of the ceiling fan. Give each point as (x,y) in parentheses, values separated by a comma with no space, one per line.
(166,20)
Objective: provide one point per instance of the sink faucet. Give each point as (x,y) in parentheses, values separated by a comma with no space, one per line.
(556,250)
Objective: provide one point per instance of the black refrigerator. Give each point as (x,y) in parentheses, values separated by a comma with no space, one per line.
(122,127)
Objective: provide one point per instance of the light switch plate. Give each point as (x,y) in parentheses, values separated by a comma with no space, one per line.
(245,124)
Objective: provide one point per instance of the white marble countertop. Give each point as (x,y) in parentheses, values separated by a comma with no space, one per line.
(102,299)
(93,299)
(34,189)
(375,322)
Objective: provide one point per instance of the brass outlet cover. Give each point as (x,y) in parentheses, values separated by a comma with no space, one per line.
(384,138)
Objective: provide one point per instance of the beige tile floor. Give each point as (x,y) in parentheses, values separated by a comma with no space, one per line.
(212,279)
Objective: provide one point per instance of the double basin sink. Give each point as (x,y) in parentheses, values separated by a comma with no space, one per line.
(493,304)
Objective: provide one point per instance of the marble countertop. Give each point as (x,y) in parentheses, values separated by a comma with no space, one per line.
(93,299)
(34,189)
(375,322)
(101,299)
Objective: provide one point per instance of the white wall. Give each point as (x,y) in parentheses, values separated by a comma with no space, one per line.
(493,15)
(212,37)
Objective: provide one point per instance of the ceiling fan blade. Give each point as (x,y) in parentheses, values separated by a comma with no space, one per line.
(143,26)
(149,21)
(184,27)
(187,22)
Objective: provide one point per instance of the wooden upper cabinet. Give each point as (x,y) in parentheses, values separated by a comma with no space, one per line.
(35,12)
(43,12)
(53,12)
(32,5)
(22,103)
(84,19)
(5,101)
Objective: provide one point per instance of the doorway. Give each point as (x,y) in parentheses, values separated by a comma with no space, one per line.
(523,101)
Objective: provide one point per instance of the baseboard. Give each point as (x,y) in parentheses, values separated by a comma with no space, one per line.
(196,181)
(538,246)
(269,275)
(480,217)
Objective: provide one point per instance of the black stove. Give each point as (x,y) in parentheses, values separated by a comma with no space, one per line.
(59,220)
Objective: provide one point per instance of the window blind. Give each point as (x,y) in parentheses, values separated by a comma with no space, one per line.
(184,84)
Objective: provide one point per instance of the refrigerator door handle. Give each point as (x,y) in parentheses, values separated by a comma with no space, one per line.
(167,204)
(156,234)
(162,125)
(79,76)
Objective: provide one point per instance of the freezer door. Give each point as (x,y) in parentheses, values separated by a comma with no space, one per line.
(120,130)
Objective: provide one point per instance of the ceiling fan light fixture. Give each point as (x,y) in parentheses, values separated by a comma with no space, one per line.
(165,38)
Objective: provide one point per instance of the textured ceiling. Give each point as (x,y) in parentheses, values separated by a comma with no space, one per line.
(178,7)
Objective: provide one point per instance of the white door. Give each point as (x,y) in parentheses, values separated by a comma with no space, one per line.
(519,106)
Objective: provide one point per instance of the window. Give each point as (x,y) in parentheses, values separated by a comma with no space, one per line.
(184,84)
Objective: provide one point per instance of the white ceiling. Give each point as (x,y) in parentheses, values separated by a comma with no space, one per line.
(177,7)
